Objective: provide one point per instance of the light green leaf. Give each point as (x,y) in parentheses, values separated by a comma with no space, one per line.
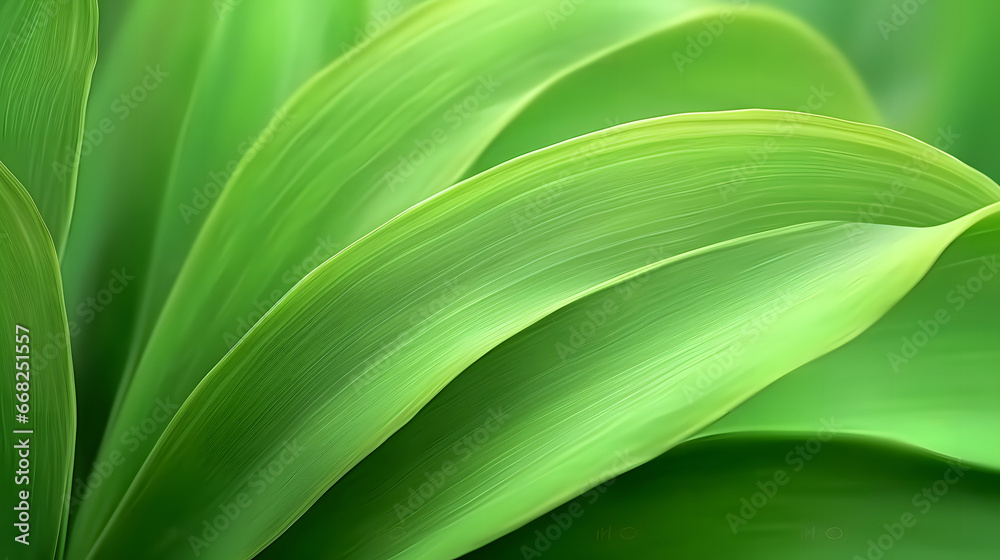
(339,364)
(321,219)
(205,103)
(307,188)
(924,375)
(261,53)
(608,383)
(776,60)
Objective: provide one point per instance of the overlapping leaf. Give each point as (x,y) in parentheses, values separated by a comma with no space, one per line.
(133,115)
(606,384)
(778,62)
(36,397)
(600,386)
(848,498)
(47,55)
(180,112)
(924,375)
(345,186)
(706,227)
(647,187)
(923,63)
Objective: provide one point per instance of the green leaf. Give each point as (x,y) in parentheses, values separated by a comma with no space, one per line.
(924,375)
(319,220)
(141,87)
(179,113)
(47,54)
(923,63)
(608,383)
(776,60)
(339,364)
(850,499)
(436,313)
(33,320)
(261,53)
(231,280)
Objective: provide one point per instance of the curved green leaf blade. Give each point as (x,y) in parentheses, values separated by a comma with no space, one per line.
(205,96)
(311,374)
(778,62)
(853,498)
(314,225)
(37,404)
(261,53)
(924,375)
(924,64)
(141,86)
(605,384)
(47,55)
(294,182)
